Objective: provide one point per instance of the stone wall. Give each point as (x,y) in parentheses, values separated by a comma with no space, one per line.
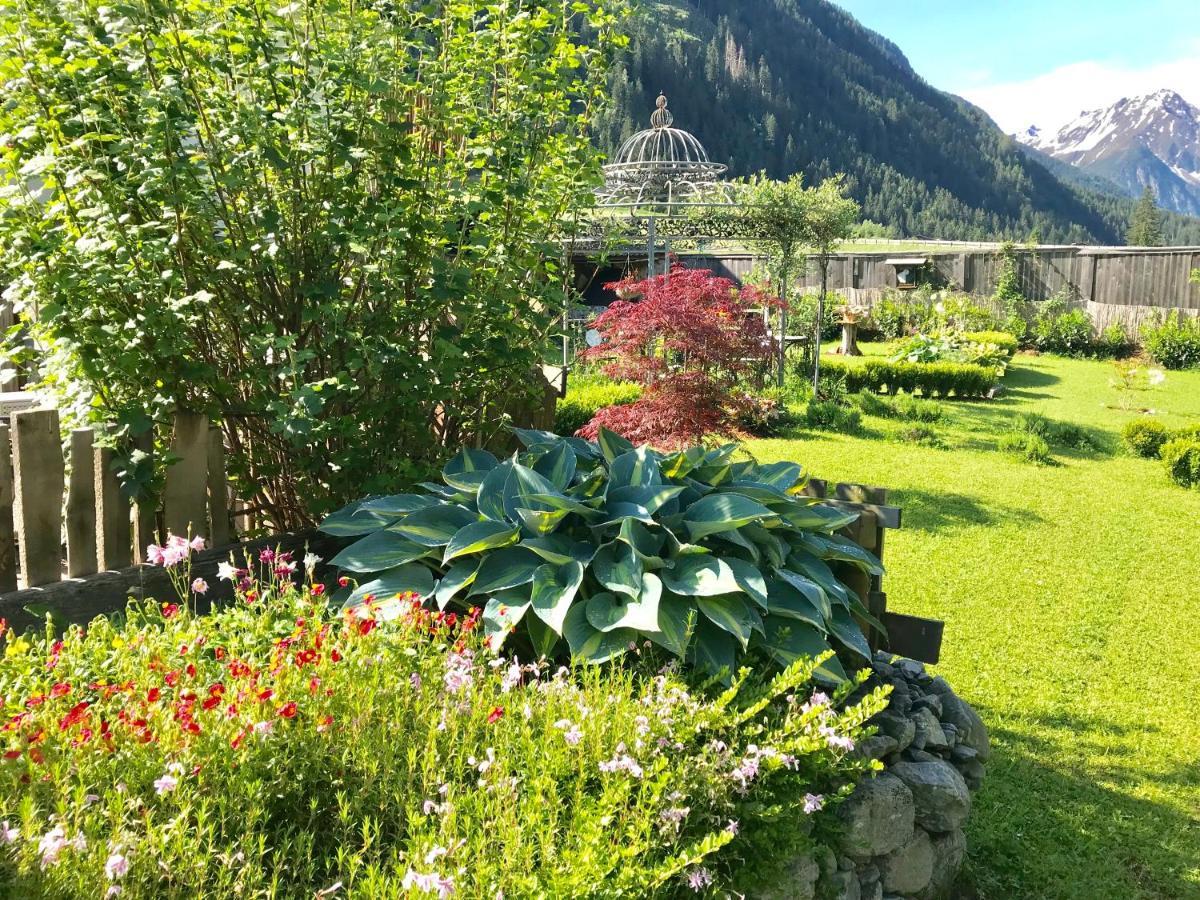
(901,833)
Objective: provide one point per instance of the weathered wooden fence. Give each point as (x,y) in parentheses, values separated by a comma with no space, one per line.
(66,516)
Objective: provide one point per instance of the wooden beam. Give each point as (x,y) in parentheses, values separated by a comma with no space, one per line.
(8,534)
(145,508)
(81,506)
(914,637)
(39,473)
(113,529)
(185,496)
(218,490)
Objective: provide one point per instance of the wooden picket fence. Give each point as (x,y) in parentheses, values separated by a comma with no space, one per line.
(101,530)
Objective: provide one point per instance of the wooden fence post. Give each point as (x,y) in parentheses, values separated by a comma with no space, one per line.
(39,473)
(113,529)
(8,537)
(185,496)
(145,512)
(218,490)
(81,506)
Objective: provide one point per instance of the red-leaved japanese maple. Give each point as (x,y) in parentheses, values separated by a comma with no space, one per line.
(692,341)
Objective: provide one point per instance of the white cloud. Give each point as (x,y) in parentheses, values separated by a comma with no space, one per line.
(1055,98)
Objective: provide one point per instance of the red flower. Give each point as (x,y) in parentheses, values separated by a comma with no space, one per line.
(77,714)
(266,694)
(495,715)
(344,581)
(12,754)
(288,710)
(172,678)
(317,590)
(335,656)
(219,652)
(191,670)
(36,755)
(152,695)
(170,610)
(324,724)
(35,700)
(61,689)
(366,626)
(211,702)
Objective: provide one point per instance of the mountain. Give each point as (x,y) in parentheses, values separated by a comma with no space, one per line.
(1151,141)
(790,86)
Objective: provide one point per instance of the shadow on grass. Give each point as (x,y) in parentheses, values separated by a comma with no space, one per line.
(936,510)
(1022,376)
(1042,827)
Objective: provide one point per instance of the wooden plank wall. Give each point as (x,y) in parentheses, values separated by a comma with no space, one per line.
(39,479)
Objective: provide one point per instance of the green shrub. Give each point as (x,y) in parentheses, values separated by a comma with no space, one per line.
(587,398)
(1145,437)
(923,435)
(1181,456)
(829,415)
(1029,447)
(1063,434)
(872,404)
(1113,343)
(596,547)
(1067,332)
(767,413)
(942,379)
(1174,342)
(915,409)
(1002,339)
(278,747)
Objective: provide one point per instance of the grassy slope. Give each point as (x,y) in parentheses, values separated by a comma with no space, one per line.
(1070,596)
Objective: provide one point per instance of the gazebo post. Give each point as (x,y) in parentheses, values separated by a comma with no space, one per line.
(651,247)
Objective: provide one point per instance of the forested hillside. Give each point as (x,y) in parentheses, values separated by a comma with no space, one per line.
(800,85)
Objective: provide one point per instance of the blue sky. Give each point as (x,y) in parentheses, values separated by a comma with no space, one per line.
(1029,62)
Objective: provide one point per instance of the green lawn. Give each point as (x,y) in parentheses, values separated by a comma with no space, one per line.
(1072,609)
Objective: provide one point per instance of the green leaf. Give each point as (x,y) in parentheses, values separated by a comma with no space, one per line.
(811,514)
(651,497)
(834,546)
(505,568)
(541,636)
(782,475)
(500,616)
(558,465)
(637,469)
(457,577)
(617,567)
(750,580)
(849,635)
(554,589)
(732,614)
(701,575)
(434,526)
(787,640)
(399,504)
(479,536)
(647,544)
(490,497)
(540,522)
(378,551)
(560,550)
(805,563)
(466,470)
(676,624)
(812,591)
(590,645)
(519,489)
(607,612)
(611,444)
(713,652)
(722,512)
(406,579)
(783,599)
(354,520)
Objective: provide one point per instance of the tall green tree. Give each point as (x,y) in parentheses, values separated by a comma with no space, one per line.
(831,219)
(1146,224)
(333,226)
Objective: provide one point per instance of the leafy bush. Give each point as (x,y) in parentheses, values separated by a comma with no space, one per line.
(1173,342)
(588,397)
(1181,456)
(893,318)
(803,312)
(293,221)
(1002,339)
(766,413)
(1145,437)
(278,747)
(943,379)
(1029,447)
(951,347)
(1113,343)
(829,415)
(1064,434)
(872,404)
(600,546)
(690,341)
(923,435)
(1057,329)
(905,406)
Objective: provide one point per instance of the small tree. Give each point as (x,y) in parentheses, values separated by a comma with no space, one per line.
(690,340)
(1146,225)
(1195,277)
(831,218)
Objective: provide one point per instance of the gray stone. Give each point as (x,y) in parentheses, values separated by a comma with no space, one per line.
(928,734)
(876,747)
(882,656)
(931,702)
(877,818)
(971,730)
(845,864)
(940,795)
(910,668)
(962,753)
(908,869)
(972,773)
(899,728)
(798,882)
(871,891)
(950,732)
(884,671)
(940,686)
(912,754)
(868,874)
(949,851)
(840,886)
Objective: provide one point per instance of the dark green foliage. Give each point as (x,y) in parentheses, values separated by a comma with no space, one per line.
(585,399)
(873,404)
(1181,456)
(1173,342)
(1146,224)
(802,87)
(940,379)
(1031,448)
(766,414)
(1113,343)
(597,547)
(923,435)
(1145,437)
(903,406)
(1066,435)
(828,415)
(1057,329)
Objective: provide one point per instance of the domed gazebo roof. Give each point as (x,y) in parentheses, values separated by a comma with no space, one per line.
(660,167)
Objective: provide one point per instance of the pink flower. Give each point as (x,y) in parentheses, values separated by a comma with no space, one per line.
(813,803)
(51,845)
(429,883)
(165,784)
(154,555)
(198,543)
(699,879)
(200,586)
(7,834)
(116,867)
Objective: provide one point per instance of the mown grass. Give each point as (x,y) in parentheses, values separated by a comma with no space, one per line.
(1071,599)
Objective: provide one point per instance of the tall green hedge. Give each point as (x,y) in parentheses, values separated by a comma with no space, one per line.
(960,380)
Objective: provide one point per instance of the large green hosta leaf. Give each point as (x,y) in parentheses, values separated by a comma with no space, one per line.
(467,470)
(412,578)
(379,551)
(434,526)
(554,589)
(608,612)
(786,640)
(590,645)
(722,512)
(479,536)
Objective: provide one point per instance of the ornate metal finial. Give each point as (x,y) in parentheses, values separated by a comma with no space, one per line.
(661,117)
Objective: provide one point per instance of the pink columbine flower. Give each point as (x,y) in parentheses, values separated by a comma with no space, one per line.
(51,845)
(116,866)
(154,555)
(198,543)
(165,784)
(699,879)
(813,803)
(429,883)
(8,834)
(200,586)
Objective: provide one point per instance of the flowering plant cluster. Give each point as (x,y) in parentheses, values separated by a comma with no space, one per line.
(281,747)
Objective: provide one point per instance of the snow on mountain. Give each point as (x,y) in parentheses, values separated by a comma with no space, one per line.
(1152,140)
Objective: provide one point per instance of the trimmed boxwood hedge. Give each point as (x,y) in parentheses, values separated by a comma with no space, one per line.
(587,398)
(939,379)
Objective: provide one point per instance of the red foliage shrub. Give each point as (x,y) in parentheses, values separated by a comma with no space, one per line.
(690,340)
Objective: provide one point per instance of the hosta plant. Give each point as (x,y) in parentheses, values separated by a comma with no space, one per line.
(598,547)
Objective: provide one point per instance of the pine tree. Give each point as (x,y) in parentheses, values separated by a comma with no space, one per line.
(1146,226)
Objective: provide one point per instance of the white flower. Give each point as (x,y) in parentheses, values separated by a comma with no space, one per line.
(310,562)
(51,845)
(9,835)
(227,571)
(116,866)
(165,784)
(432,856)
(1156,376)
